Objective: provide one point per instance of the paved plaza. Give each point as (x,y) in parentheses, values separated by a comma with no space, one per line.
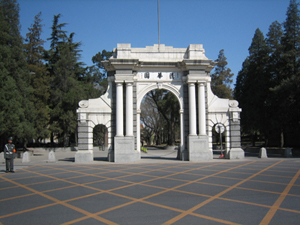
(157,190)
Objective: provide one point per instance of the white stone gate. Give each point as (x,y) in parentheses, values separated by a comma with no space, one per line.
(132,73)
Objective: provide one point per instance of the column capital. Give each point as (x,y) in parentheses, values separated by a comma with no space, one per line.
(119,83)
(201,83)
(191,84)
(129,83)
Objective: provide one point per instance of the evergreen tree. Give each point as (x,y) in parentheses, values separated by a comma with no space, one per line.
(288,87)
(252,86)
(39,77)
(16,113)
(221,78)
(275,116)
(100,74)
(65,88)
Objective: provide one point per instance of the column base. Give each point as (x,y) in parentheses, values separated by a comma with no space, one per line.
(84,156)
(198,149)
(124,151)
(236,153)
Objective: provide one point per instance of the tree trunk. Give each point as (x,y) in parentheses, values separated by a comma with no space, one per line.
(281,139)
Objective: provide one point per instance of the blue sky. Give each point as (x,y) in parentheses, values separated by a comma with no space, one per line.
(101,24)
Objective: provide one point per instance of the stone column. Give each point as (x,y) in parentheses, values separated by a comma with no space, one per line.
(182,154)
(129,109)
(192,109)
(138,130)
(201,109)
(119,109)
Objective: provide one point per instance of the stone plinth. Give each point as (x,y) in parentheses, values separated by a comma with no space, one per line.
(198,149)
(124,150)
(236,153)
(84,156)
(262,153)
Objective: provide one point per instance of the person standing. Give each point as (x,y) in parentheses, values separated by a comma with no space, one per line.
(9,153)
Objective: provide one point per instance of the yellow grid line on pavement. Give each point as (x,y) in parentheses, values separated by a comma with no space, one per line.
(175,219)
(156,194)
(268,217)
(63,203)
(141,173)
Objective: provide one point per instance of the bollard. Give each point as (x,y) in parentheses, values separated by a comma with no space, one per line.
(26,157)
(262,153)
(51,156)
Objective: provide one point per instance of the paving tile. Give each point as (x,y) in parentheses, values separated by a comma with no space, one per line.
(138,191)
(284,217)
(297,182)
(48,215)
(166,183)
(291,202)
(6,184)
(32,180)
(108,184)
(66,175)
(159,173)
(189,219)
(97,203)
(22,203)
(112,174)
(263,186)
(186,177)
(233,211)
(49,185)
(295,190)
(13,192)
(204,189)
(257,197)
(177,200)
(203,172)
(134,170)
(85,179)
(140,213)
(137,178)
(276,179)
(89,221)
(70,193)
(220,180)
(279,173)
(237,175)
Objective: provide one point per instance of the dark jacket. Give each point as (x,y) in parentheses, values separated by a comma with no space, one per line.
(9,151)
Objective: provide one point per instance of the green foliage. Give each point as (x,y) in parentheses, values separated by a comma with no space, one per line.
(39,78)
(16,115)
(98,72)
(221,78)
(40,89)
(268,85)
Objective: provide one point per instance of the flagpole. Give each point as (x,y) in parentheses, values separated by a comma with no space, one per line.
(158,24)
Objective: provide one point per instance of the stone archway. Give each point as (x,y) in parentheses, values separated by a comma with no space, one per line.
(132,72)
(177,94)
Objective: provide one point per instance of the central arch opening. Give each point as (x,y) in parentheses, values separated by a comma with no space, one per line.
(160,125)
